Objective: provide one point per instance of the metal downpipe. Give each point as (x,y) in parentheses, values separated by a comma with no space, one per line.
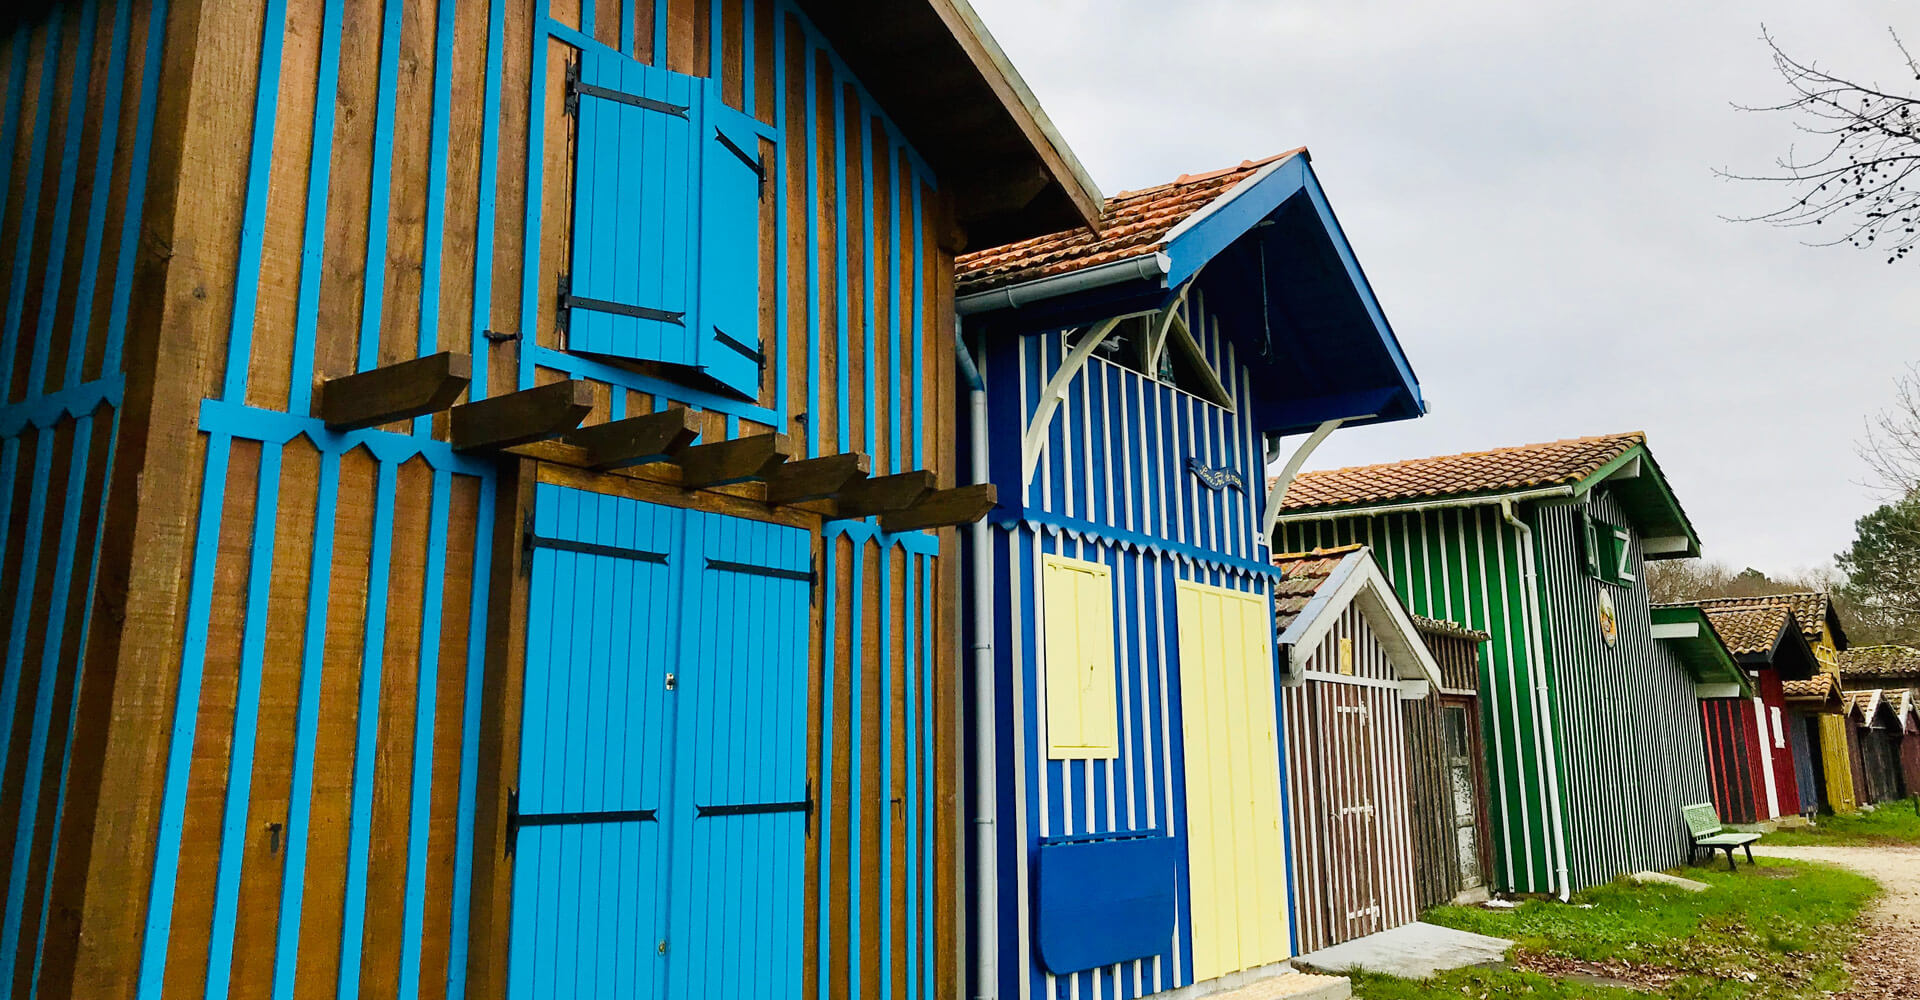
(1543,708)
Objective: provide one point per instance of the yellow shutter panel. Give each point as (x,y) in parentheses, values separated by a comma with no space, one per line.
(1083,711)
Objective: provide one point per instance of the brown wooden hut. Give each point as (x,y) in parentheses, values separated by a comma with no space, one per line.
(1446,772)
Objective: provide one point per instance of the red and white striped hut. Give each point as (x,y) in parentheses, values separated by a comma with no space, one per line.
(1350,656)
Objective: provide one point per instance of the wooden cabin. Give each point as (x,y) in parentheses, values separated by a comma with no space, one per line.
(1878,732)
(1446,773)
(1351,661)
(1906,712)
(1749,741)
(1589,718)
(1124,716)
(1827,735)
(1807,701)
(478,487)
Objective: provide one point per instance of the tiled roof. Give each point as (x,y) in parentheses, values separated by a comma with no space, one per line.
(1133,224)
(1817,687)
(1301,574)
(1501,470)
(1809,608)
(1451,630)
(1752,628)
(1880,661)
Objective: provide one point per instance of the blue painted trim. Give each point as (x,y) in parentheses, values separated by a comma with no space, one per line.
(830,619)
(51,643)
(470,744)
(929,901)
(306,733)
(716,41)
(186,711)
(884,599)
(893,305)
(489,170)
(313,240)
(246,422)
(73,713)
(856,742)
(582,367)
(919,329)
(433,247)
(747,61)
(781,359)
(253,228)
(871,332)
(659,34)
(77,401)
(97,208)
(911,616)
(10,125)
(31,544)
(917,542)
(531,177)
(30,204)
(577,38)
(626,29)
(1134,539)
(1365,287)
(366,740)
(842,355)
(379,211)
(813,254)
(426,692)
(56,263)
(246,725)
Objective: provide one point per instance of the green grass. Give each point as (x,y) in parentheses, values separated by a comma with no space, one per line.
(1753,936)
(1889,823)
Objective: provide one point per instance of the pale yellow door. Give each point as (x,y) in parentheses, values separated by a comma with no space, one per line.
(1236,870)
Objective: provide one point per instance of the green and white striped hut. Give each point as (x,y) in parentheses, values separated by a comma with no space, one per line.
(1591,726)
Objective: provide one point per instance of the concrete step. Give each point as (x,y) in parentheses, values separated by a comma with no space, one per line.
(1291,986)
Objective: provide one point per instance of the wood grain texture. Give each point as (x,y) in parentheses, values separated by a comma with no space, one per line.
(392,392)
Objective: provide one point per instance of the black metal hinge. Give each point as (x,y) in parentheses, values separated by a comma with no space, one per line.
(740,348)
(570,301)
(516,820)
(593,548)
(806,576)
(576,90)
(753,162)
(756,808)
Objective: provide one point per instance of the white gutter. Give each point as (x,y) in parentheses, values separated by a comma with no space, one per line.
(1153,266)
(1537,680)
(1335,513)
(986,894)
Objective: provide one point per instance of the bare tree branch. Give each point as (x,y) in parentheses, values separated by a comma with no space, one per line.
(1860,177)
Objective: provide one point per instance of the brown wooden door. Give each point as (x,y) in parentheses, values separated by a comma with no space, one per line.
(1462,791)
(1355,816)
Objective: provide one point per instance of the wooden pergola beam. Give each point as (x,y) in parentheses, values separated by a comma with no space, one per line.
(535,414)
(399,391)
(942,508)
(654,437)
(885,493)
(740,460)
(815,478)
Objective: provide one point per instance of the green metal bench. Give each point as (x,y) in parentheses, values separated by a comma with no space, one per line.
(1706,830)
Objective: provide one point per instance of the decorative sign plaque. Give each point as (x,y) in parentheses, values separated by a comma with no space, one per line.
(1216,479)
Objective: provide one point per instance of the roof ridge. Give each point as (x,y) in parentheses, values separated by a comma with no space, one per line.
(1205,175)
(1506,449)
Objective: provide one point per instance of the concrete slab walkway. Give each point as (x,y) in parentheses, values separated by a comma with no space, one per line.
(1413,951)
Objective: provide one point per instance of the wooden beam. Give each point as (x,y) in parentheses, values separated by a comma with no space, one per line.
(737,461)
(655,437)
(396,392)
(877,496)
(534,414)
(941,508)
(815,478)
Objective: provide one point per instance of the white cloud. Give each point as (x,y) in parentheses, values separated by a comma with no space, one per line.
(1529,186)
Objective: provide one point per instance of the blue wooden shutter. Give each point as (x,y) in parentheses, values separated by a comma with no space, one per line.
(589,815)
(732,178)
(738,913)
(632,286)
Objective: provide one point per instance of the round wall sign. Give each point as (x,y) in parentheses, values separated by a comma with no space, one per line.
(1609,622)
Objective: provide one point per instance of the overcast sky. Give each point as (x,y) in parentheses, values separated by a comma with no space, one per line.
(1529,188)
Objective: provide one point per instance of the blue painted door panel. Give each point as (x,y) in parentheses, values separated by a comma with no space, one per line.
(662,807)
(730,250)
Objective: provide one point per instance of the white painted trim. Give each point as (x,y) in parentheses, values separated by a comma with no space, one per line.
(1226,199)
(1414,506)
(1720,690)
(1278,486)
(1358,578)
(1676,630)
(1664,545)
(1415,690)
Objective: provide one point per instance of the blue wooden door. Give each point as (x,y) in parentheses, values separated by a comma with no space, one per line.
(660,818)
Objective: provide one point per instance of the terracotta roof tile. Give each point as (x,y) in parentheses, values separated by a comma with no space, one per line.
(1817,687)
(1501,470)
(1301,574)
(1748,628)
(1451,630)
(1133,224)
(1809,608)
(1880,661)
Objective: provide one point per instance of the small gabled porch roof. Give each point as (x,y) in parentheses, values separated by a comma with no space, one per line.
(1819,694)
(1762,635)
(1260,243)
(1693,641)
(1315,587)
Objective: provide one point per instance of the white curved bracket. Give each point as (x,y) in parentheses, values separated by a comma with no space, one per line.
(1277,488)
(1035,438)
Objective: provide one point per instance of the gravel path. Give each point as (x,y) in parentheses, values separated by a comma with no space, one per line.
(1887,963)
